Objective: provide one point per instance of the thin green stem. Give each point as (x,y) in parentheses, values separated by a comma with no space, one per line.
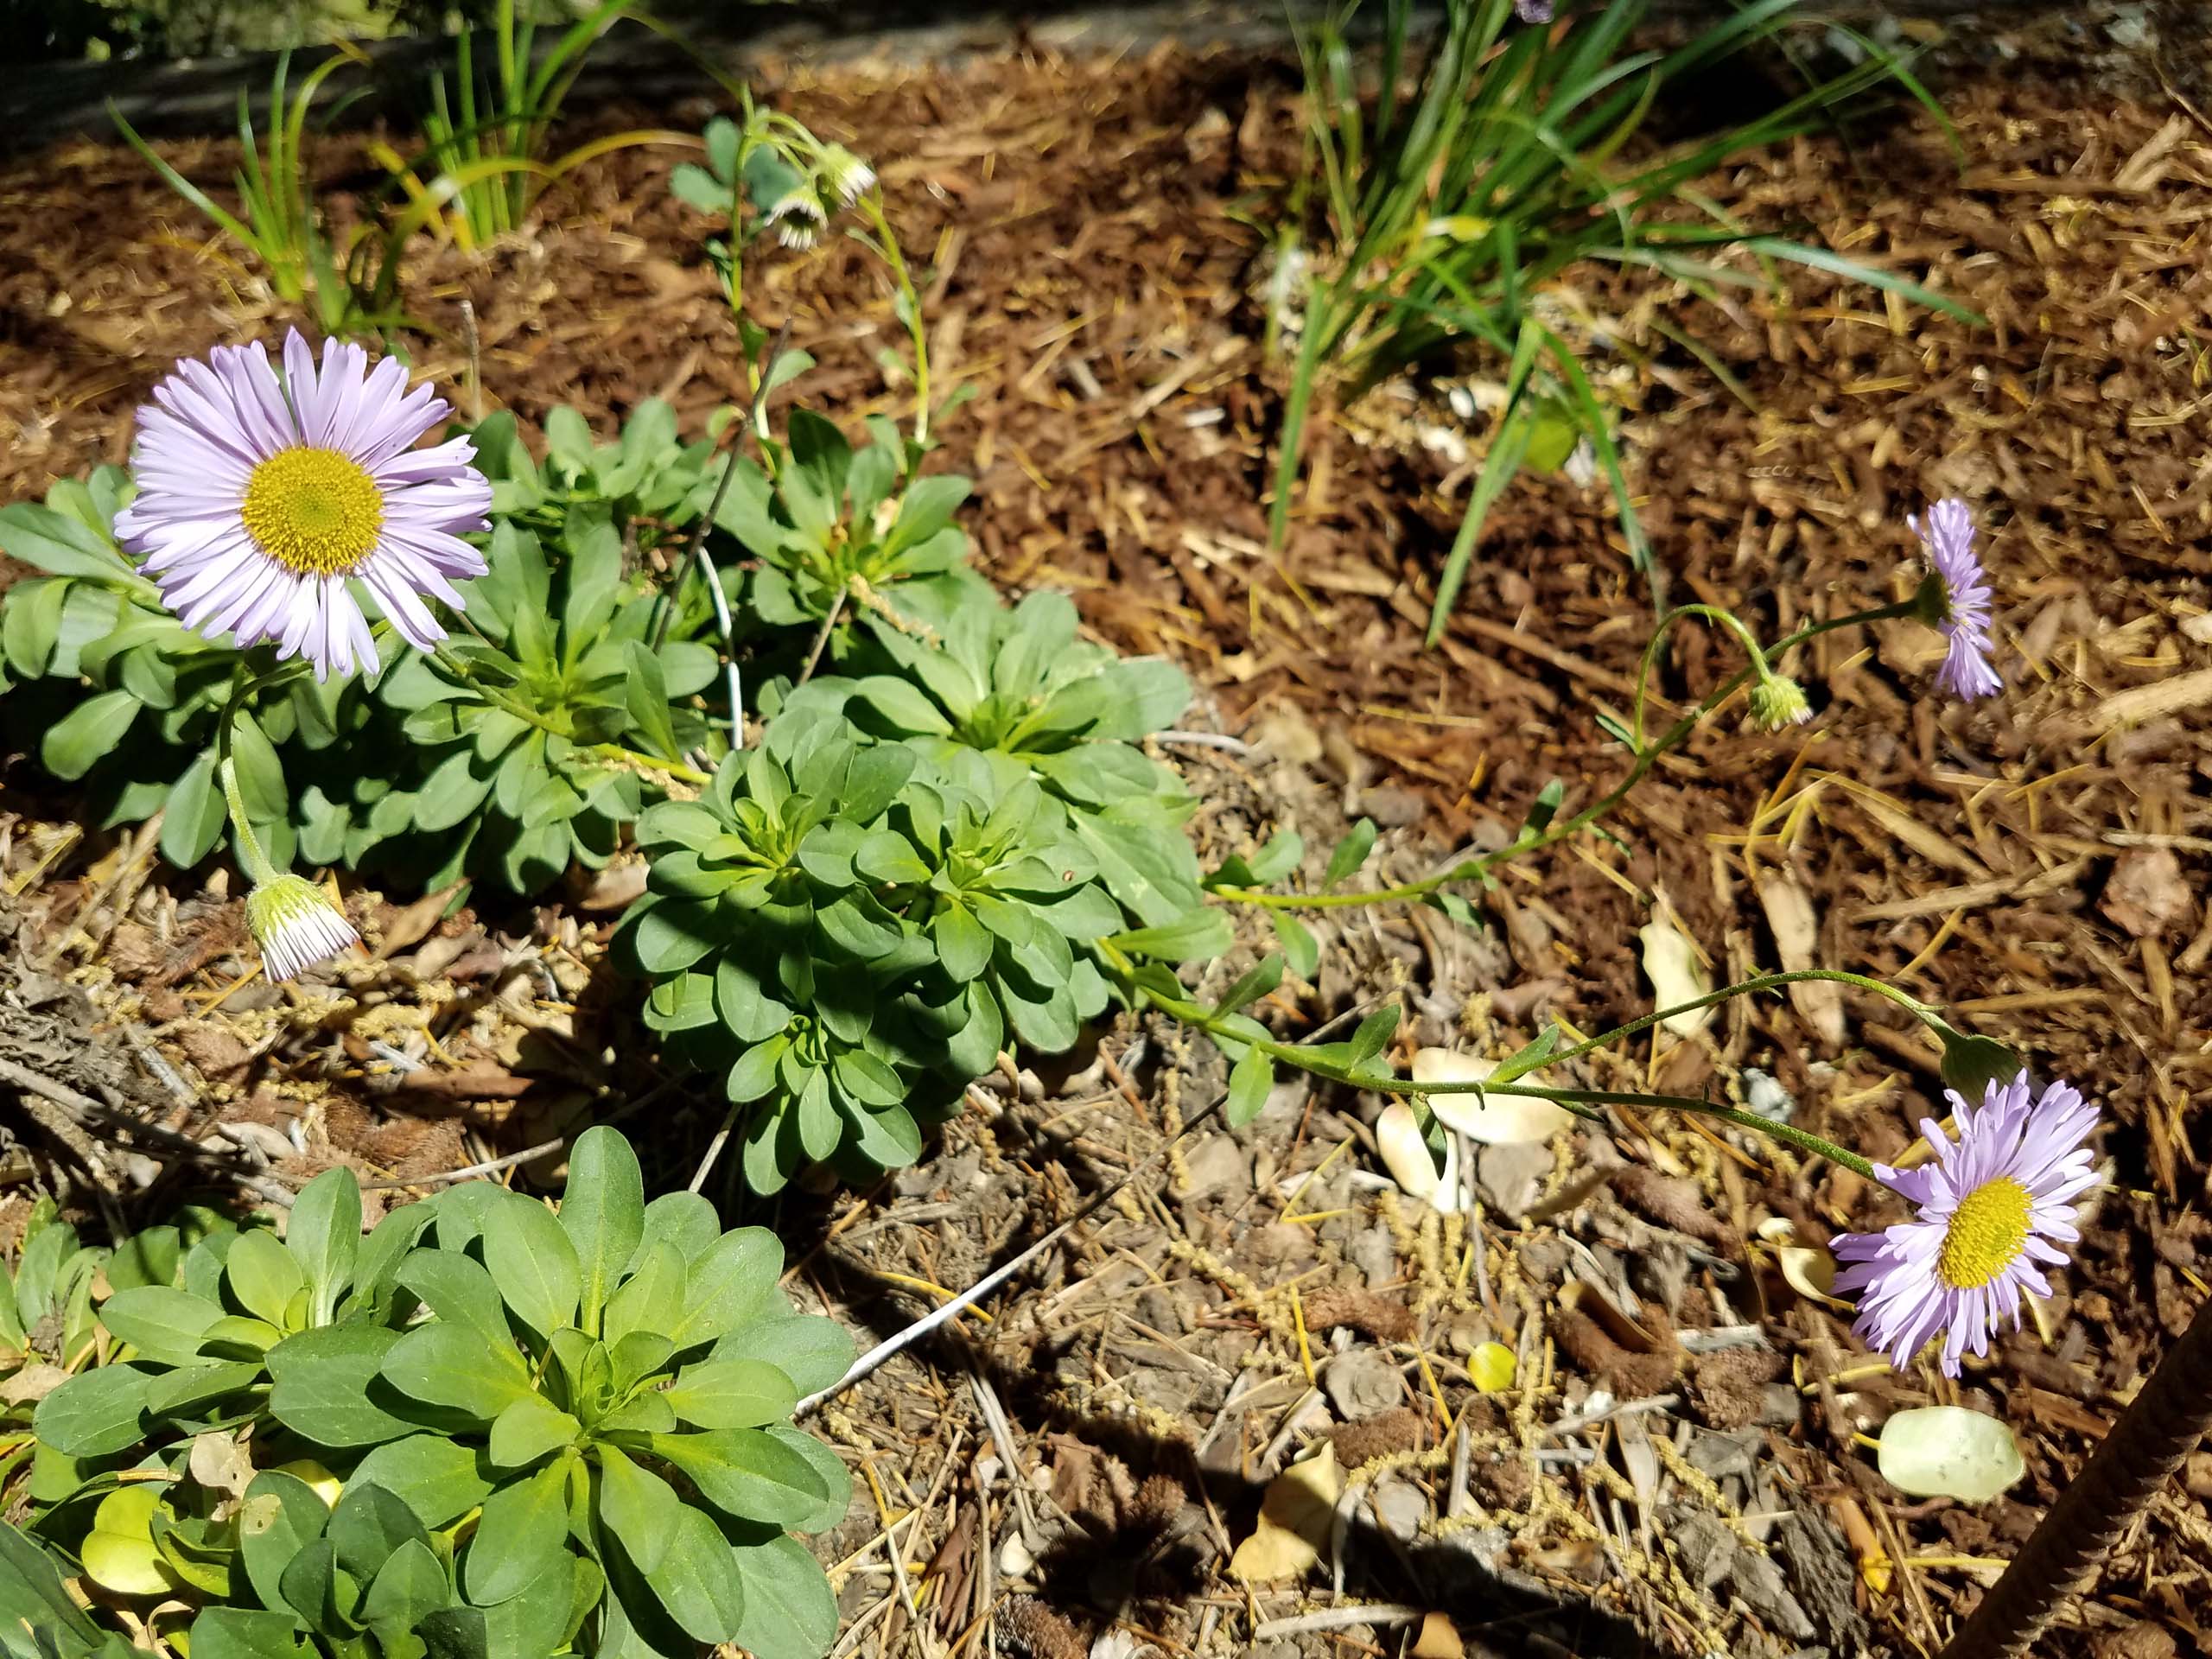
(887,247)
(1911,1005)
(1577,1101)
(1727,619)
(1560,828)
(521,710)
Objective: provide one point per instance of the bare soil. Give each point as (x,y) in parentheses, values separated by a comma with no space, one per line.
(1070,1476)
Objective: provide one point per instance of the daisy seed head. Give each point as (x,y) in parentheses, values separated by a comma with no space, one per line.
(1992,1212)
(1955,600)
(262,499)
(295,925)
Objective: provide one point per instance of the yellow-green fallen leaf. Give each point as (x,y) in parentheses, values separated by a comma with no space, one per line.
(1948,1451)
(1492,1366)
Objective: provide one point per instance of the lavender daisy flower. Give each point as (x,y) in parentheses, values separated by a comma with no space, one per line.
(1956,601)
(1996,1203)
(259,498)
(295,925)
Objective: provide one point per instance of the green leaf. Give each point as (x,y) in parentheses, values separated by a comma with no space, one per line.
(528,1429)
(732,1393)
(1257,983)
(693,1576)
(747,1475)
(645,694)
(837,1480)
(1544,808)
(190,1388)
(457,1288)
(519,1535)
(368,1524)
(264,1275)
(162,1324)
(1249,1085)
(192,821)
(244,1633)
(95,1414)
(434,1475)
(322,1381)
(637,1506)
(147,1258)
(1351,853)
(324,1235)
(376,1268)
(407,1588)
(280,1517)
(790,1611)
(63,546)
(88,733)
(260,773)
(32,1592)
(1300,948)
(533,1263)
(603,1213)
(685,1221)
(1202,935)
(1373,1033)
(903,705)
(728,1285)
(813,1351)
(452,1365)
(651,1298)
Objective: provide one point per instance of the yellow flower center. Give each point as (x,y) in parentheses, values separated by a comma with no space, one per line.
(314,512)
(1985,1233)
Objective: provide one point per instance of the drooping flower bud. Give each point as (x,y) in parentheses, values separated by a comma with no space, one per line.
(295,925)
(1778,701)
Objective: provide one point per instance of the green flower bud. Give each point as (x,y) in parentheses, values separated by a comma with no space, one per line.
(1778,701)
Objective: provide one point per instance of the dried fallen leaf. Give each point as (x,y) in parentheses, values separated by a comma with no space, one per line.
(1405,1154)
(1809,1270)
(1670,963)
(1439,1639)
(1493,1120)
(1797,928)
(1295,1517)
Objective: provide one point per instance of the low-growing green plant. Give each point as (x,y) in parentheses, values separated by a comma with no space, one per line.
(525,747)
(489,1427)
(837,527)
(1454,204)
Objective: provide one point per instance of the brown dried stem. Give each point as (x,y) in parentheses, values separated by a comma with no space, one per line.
(2171,1414)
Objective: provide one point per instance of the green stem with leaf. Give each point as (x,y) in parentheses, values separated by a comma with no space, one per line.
(615,753)
(1580,1102)
(1534,839)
